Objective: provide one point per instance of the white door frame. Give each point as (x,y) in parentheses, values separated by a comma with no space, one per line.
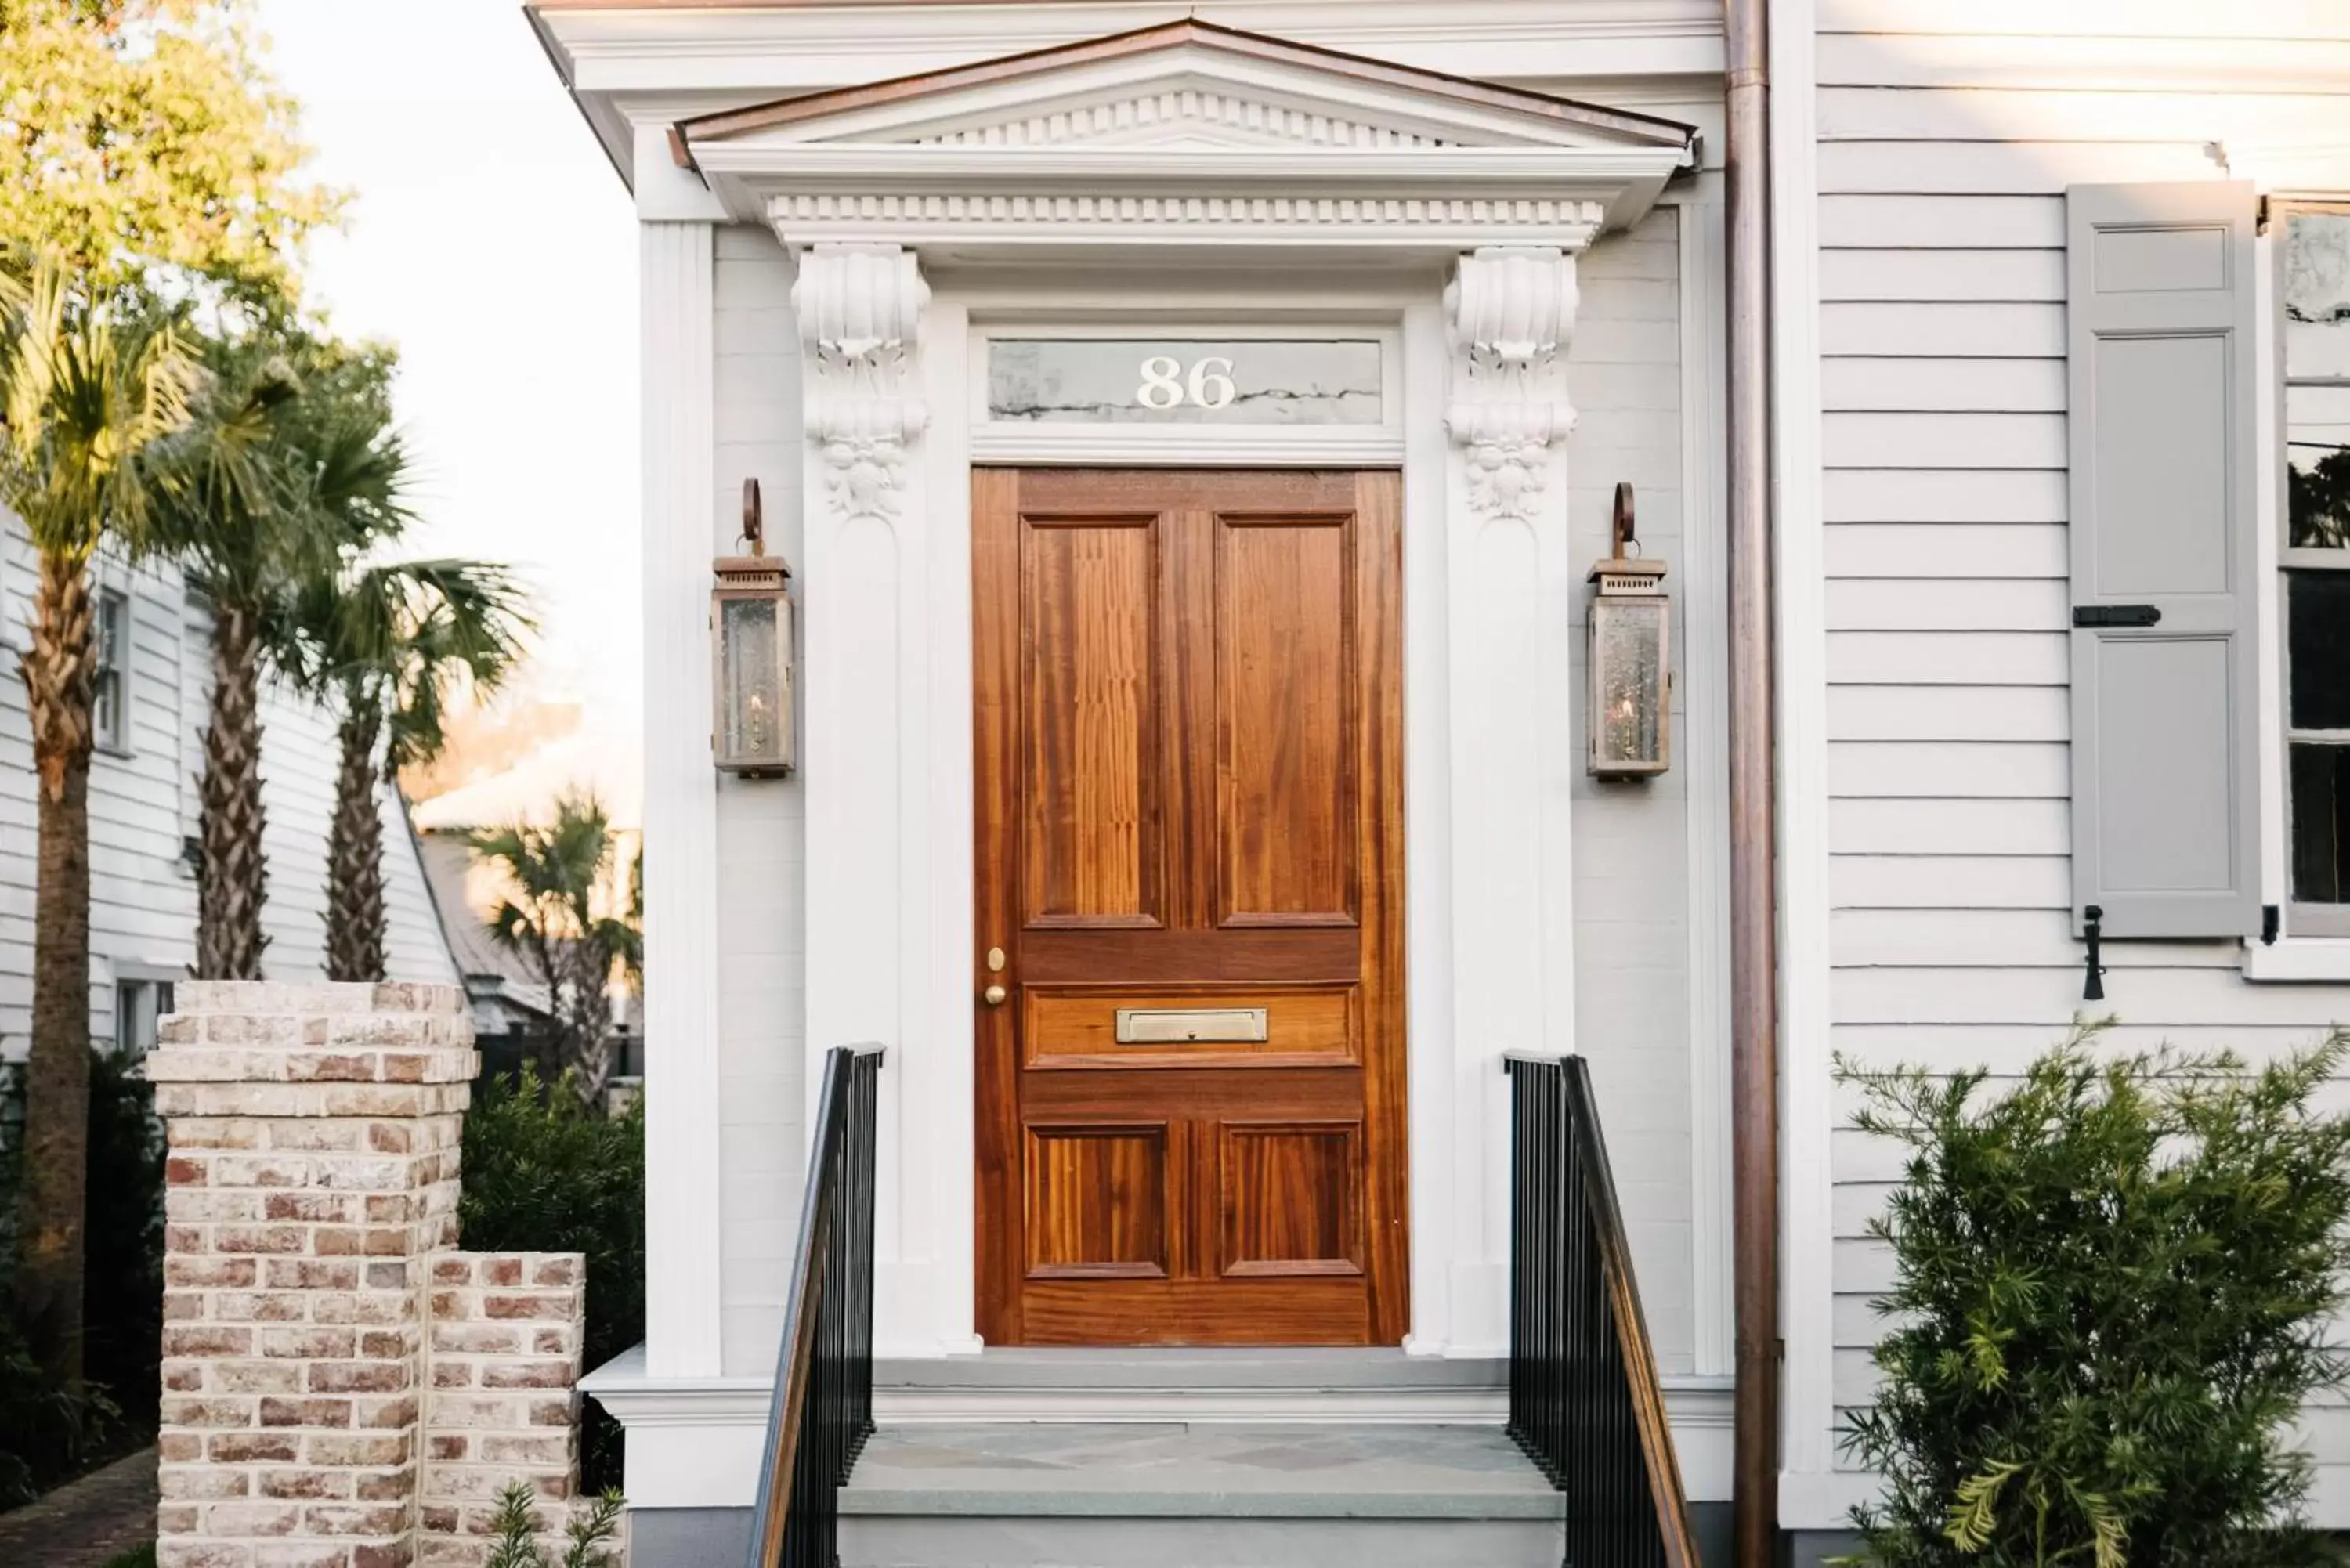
(1489,756)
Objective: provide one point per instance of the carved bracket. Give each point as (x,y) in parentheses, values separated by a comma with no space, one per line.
(1509,314)
(861,311)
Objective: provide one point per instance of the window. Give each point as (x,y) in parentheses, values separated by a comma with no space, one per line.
(139,1006)
(2315,243)
(110,709)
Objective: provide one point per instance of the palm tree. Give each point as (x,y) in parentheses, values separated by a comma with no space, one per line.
(290,468)
(84,396)
(557,875)
(388,643)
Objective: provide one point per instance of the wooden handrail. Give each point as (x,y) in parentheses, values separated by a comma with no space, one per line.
(822,1410)
(1585,1402)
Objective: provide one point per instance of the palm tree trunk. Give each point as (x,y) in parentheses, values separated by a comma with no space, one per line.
(588,1031)
(355,920)
(60,669)
(233,881)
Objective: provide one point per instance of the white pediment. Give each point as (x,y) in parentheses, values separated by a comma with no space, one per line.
(1186,127)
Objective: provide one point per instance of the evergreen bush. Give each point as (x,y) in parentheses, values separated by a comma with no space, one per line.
(48,1434)
(543,1174)
(2112,1282)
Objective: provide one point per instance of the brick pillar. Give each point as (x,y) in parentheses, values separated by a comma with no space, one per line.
(503,1349)
(313,1136)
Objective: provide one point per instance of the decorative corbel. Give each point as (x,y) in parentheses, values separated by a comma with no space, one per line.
(860,309)
(1510,313)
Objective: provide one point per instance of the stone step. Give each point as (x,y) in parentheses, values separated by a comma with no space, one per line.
(1197,1495)
(1283,1386)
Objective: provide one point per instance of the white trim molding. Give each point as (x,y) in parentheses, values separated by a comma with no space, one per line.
(1806,1099)
(680,826)
(1187,135)
(1511,589)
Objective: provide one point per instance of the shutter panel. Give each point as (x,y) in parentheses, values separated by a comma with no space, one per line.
(2164,741)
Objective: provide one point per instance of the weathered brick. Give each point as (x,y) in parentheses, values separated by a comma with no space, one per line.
(307,1484)
(180,1448)
(309,1342)
(199,1272)
(358,1376)
(261,1306)
(548,1304)
(251,1518)
(257,1376)
(356,1518)
(302,1554)
(185,1552)
(385,1554)
(275,1240)
(305,1412)
(359,1448)
(527,1374)
(202,1482)
(243,1447)
(207,1412)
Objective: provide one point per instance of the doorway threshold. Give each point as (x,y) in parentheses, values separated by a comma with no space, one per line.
(1221,1384)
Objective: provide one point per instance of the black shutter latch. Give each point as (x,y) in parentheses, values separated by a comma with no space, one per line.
(2092,920)
(2117,615)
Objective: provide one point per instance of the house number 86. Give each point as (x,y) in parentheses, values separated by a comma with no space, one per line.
(1166,384)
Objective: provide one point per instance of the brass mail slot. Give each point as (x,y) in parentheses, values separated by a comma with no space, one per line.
(1165,1026)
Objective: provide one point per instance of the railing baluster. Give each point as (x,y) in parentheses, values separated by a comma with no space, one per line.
(1584,1400)
(823,1406)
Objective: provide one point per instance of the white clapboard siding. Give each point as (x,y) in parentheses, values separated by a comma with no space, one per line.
(1948,658)
(1889,769)
(1945,550)
(1892,495)
(1956,386)
(1949,133)
(1943,223)
(1945,440)
(1915,274)
(142,809)
(1946,604)
(2119,62)
(1958,330)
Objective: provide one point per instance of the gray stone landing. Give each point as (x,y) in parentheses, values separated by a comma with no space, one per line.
(1197,1495)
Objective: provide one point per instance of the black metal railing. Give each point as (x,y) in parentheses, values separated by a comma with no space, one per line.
(823,1408)
(1584,1401)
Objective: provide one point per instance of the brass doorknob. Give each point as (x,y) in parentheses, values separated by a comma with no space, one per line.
(995,995)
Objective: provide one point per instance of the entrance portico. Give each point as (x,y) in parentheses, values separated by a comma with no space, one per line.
(1291,186)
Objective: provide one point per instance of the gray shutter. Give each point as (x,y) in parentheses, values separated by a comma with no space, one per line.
(2165,717)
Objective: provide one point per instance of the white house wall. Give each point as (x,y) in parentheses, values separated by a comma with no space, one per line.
(142,806)
(1947,133)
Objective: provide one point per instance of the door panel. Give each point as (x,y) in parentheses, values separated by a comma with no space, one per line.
(1092,850)
(1190,856)
(1283,680)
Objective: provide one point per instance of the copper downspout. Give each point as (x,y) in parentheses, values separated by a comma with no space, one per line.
(1754,950)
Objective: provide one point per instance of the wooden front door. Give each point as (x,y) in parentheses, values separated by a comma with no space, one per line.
(1189,972)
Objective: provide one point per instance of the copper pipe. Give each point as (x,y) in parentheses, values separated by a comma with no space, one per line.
(1753,955)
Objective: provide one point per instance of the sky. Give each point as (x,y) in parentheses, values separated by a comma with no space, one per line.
(491,240)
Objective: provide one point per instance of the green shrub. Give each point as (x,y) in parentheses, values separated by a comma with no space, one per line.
(47,1435)
(543,1175)
(586,1537)
(2111,1297)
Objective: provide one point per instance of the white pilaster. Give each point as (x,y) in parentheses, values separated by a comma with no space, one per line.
(872,528)
(1511,589)
(680,828)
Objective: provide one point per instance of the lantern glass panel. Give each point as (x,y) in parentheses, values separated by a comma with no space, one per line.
(753,712)
(1628,645)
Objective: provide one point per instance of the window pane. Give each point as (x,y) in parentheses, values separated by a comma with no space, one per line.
(2320,801)
(2317,295)
(1184,381)
(2317,617)
(2317,449)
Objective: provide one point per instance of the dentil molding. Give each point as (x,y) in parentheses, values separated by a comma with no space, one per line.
(1509,317)
(861,311)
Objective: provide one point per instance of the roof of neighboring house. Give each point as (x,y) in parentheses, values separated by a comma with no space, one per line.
(448,864)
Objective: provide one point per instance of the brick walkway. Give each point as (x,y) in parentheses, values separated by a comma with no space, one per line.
(87,1523)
